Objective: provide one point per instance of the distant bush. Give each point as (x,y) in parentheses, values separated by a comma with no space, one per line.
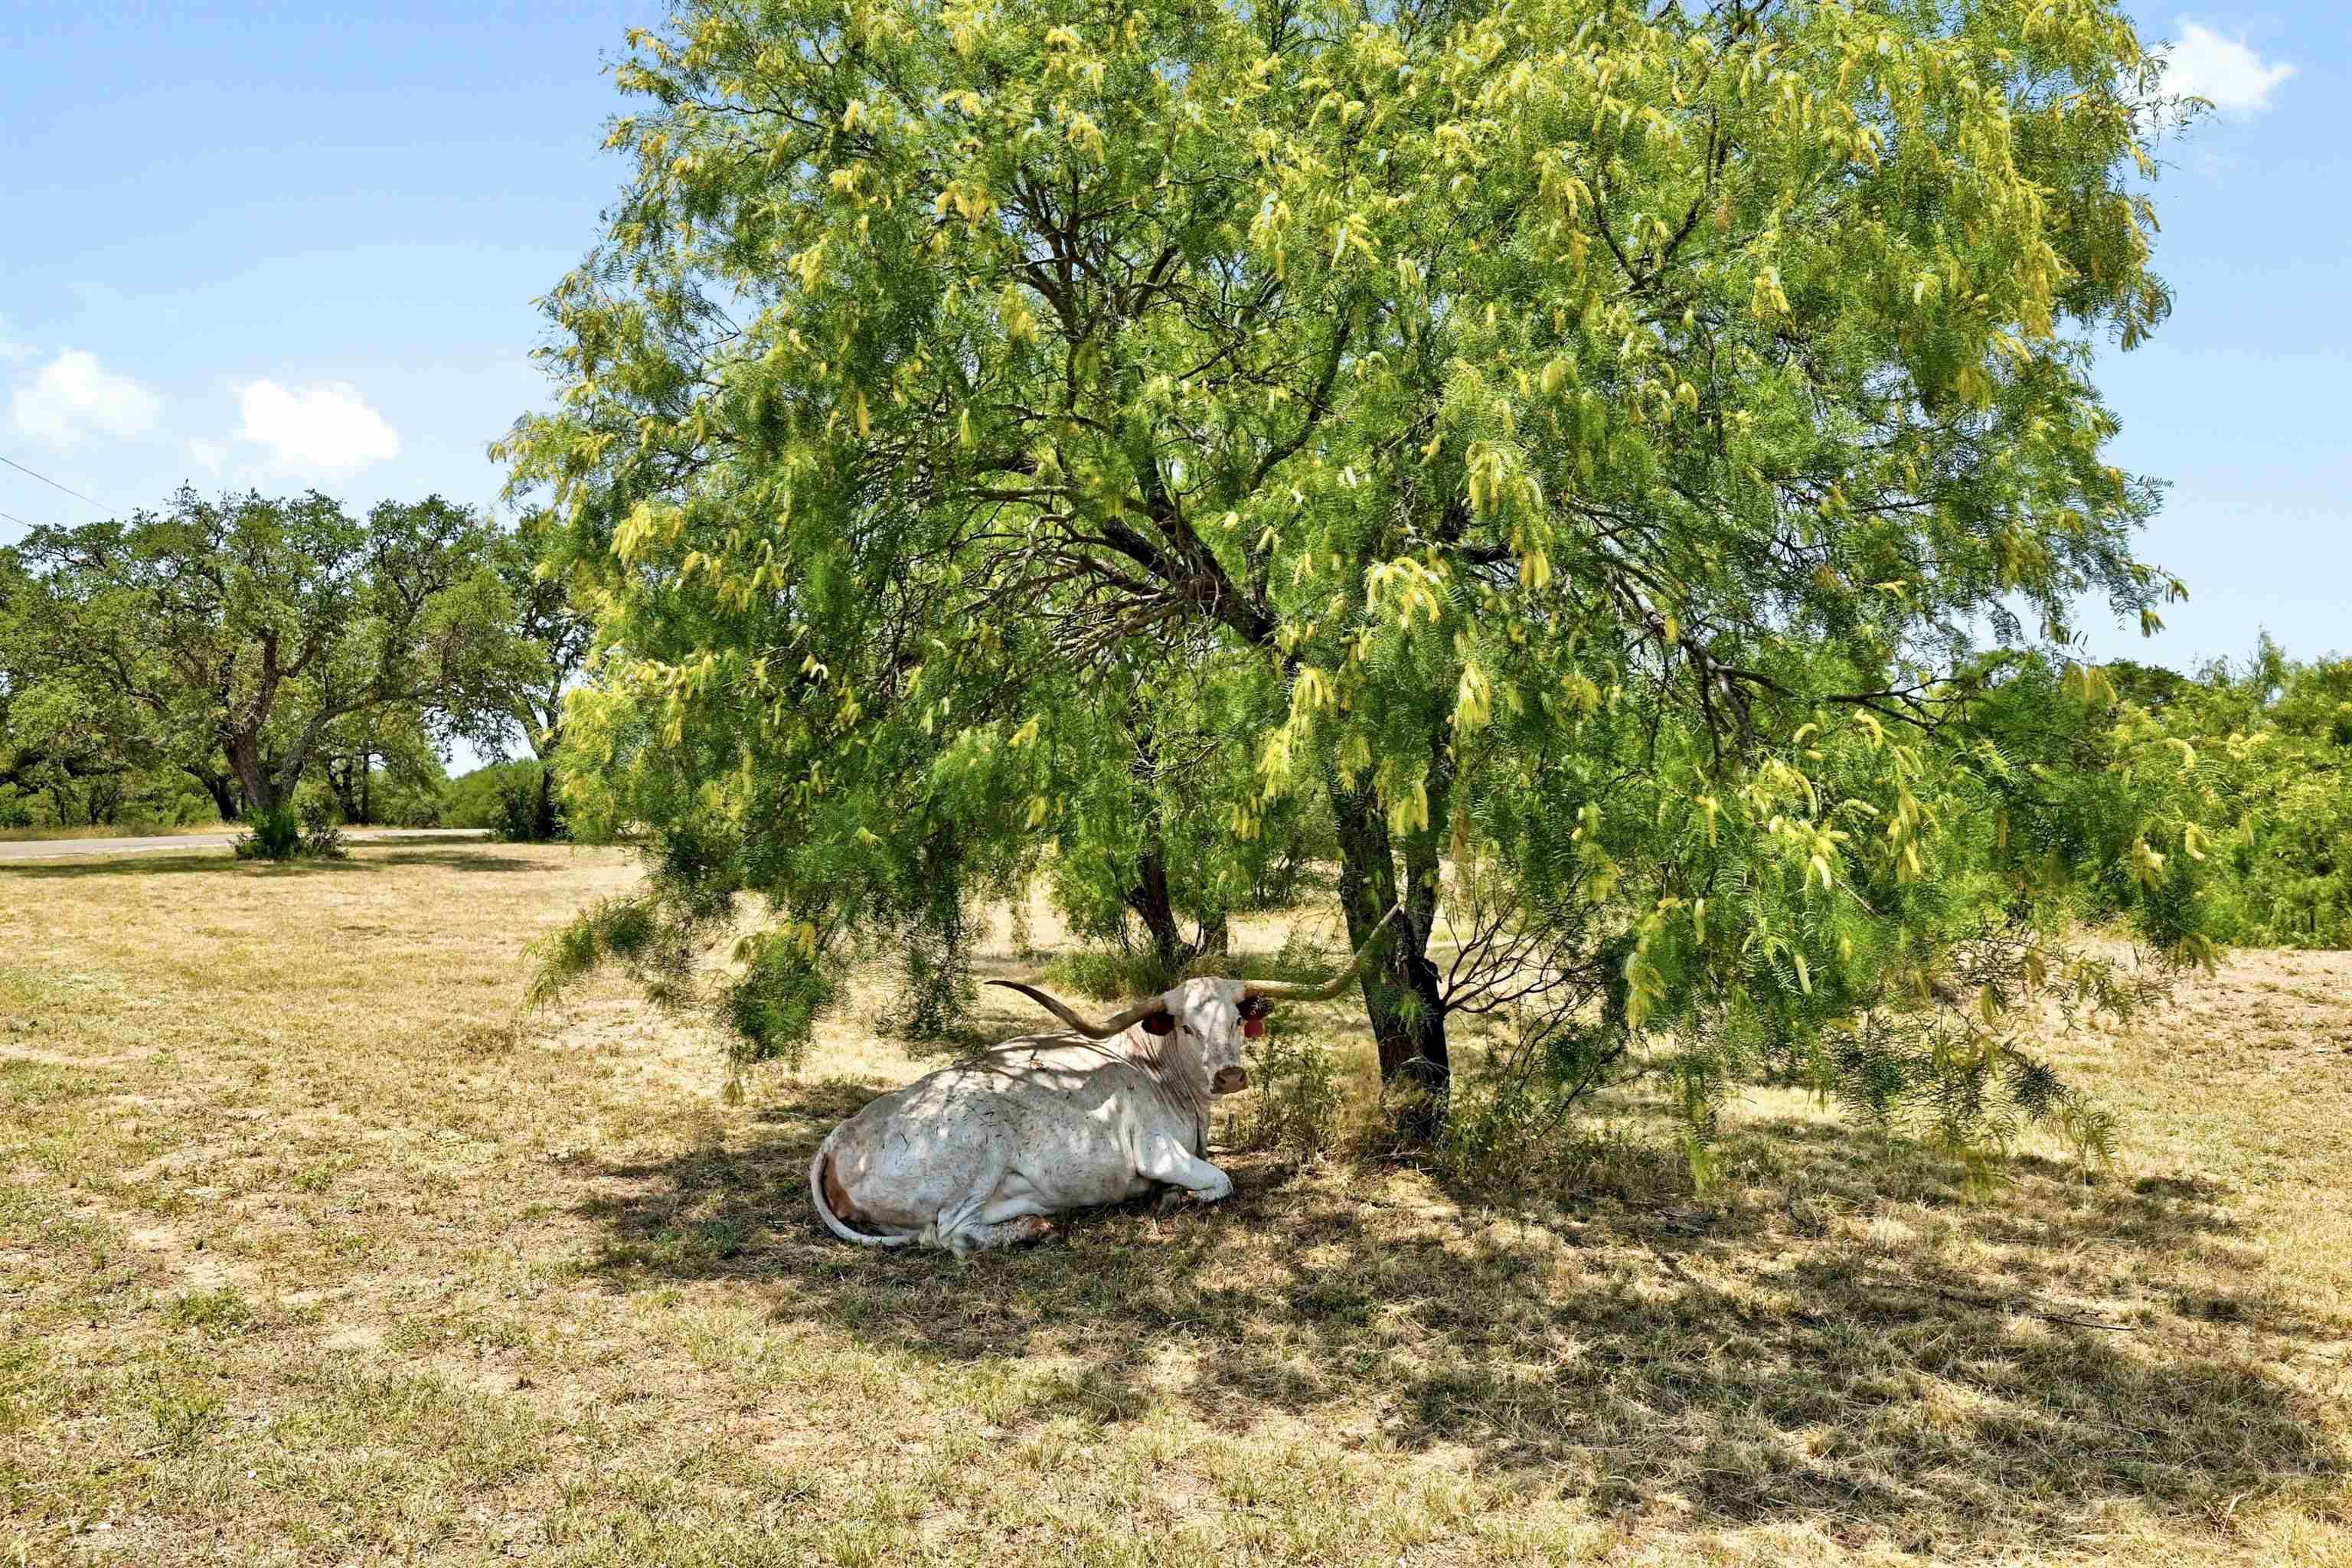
(1109,973)
(519,817)
(271,835)
(407,805)
(500,796)
(474,800)
(285,833)
(150,802)
(322,837)
(2272,742)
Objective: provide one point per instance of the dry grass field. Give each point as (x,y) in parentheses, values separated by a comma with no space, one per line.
(310,1254)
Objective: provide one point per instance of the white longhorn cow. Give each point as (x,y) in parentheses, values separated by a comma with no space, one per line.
(978,1154)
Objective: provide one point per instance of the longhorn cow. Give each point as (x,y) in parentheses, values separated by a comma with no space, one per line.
(976,1155)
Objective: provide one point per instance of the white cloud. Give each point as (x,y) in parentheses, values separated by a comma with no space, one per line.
(2204,64)
(74,395)
(325,429)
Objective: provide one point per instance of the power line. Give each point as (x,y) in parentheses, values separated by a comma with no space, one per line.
(19,522)
(54,485)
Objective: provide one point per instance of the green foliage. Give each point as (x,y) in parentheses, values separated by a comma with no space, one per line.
(134,800)
(307,831)
(502,797)
(2271,742)
(1297,1108)
(780,979)
(522,698)
(476,799)
(74,751)
(242,639)
(322,836)
(1555,459)
(273,833)
(382,764)
(1119,974)
(1108,973)
(937,992)
(411,800)
(521,819)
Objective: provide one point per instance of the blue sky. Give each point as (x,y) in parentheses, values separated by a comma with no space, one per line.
(247,246)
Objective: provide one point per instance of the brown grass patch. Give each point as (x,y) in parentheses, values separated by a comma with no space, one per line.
(309,1255)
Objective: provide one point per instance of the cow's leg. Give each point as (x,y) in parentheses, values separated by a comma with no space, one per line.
(1011,1213)
(1003,1233)
(1165,1160)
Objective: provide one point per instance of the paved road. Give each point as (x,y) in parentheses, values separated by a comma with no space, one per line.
(76,848)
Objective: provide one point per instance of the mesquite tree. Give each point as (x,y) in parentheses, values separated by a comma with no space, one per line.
(1587,446)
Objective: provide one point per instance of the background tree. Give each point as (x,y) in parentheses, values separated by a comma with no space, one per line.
(2272,742)
(378,759)
(552,641)
(242,631)
(80,746)
(1587,441)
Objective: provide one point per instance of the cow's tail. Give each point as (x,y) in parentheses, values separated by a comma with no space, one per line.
(824,1210)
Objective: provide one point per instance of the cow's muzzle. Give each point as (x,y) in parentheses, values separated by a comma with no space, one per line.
(1229,1080)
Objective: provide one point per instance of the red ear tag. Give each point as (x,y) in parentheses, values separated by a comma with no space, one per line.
(1252,1027)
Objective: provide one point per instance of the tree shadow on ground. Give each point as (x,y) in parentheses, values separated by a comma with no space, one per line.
(477,860)
(1766,1358)
(210,859)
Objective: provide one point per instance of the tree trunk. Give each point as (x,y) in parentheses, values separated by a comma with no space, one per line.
(253,776)
(345,785)
(542,812)
(221,788)
(367,789)
(1148,898)
(1402,997)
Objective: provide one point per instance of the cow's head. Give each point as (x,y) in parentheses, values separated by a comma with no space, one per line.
(1200,1025)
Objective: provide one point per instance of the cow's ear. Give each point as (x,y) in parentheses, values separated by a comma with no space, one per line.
(1159,1024)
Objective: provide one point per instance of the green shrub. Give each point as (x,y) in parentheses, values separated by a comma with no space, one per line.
(519,809)
(1297,1106)
(1114,973)
(285,833)
(2271,739)
(322,836)
(500,796)
(275,834)
(1108,973)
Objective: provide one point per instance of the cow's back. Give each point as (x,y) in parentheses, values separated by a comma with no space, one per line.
(1057,1114)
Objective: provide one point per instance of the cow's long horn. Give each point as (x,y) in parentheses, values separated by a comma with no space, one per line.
(1283,991)
(1118,1025)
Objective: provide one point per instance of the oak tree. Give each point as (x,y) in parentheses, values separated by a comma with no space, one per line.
(239,632)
